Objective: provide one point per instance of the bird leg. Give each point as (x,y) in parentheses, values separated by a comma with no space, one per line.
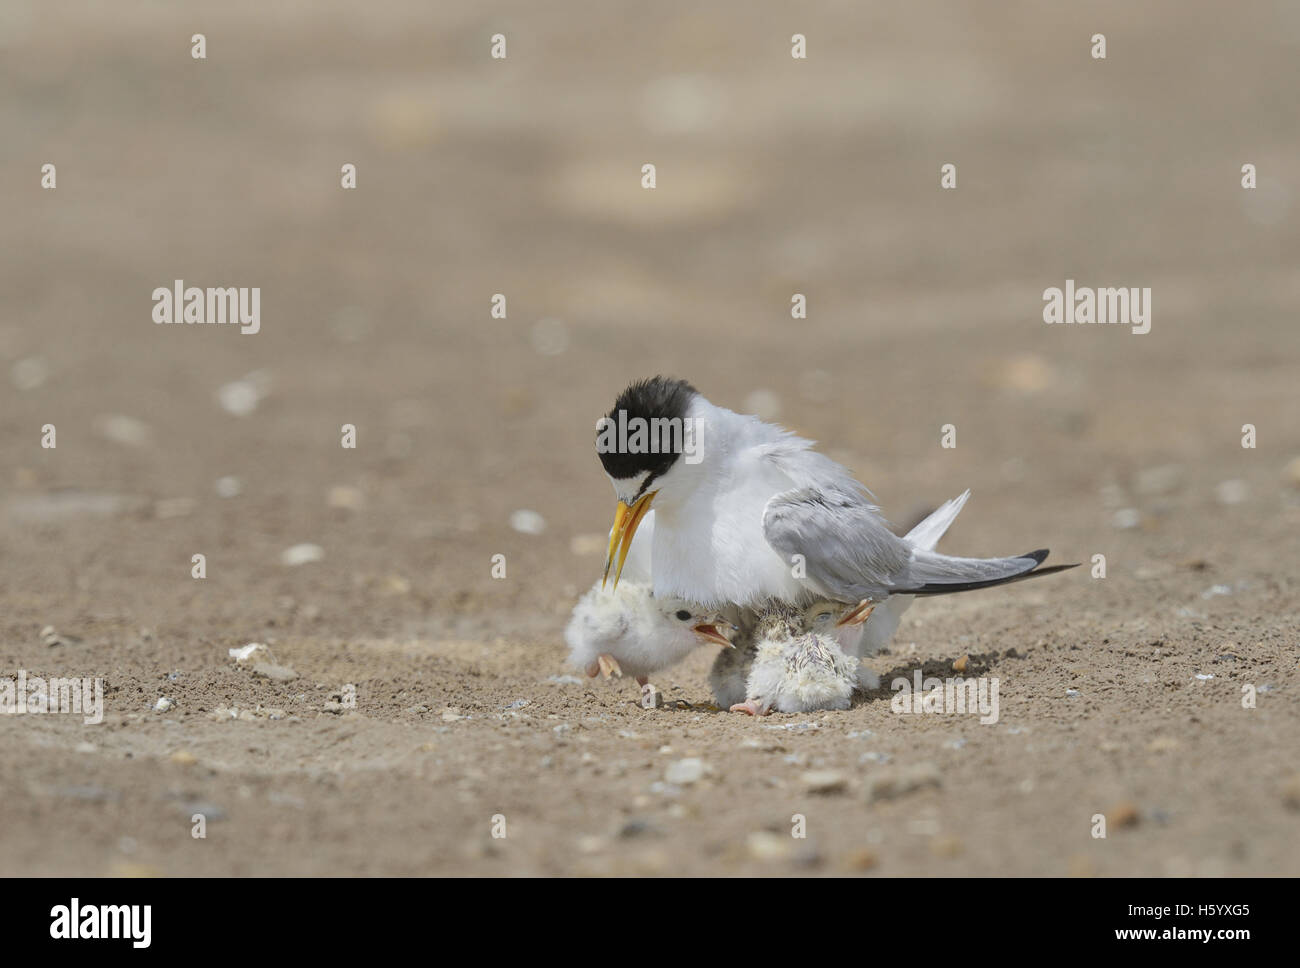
(605,665)
(752,707)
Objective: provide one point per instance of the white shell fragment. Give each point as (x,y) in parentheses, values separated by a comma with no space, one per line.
(253,652)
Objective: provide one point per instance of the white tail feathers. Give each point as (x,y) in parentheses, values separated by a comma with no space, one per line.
(926,535)
(931,571)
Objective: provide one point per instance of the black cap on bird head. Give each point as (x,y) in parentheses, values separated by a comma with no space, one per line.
(644,430)
(638,442)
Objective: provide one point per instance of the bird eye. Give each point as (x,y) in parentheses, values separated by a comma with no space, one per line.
(683,615)
(822,616)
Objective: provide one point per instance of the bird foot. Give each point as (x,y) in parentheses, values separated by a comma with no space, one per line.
(605,665)
(858,614)
(752,707)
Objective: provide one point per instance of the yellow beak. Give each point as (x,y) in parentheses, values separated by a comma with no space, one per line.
(626,521)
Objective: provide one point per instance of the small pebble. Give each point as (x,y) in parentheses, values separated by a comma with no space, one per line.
(345,497)
(271,670)
(163,704)
(252,652)
(766,846)
(241,397)
(862,859)
(228,486)
(635,828)
(1292,472)
(29,373)
(684,772)
(1026,373)
(1232,492)
(762,745)
(125,430)
(824,781)
(527,522)
(891,784)
(946,845)
(1123,814)
(302,554)
(1159,480)
(1126,518)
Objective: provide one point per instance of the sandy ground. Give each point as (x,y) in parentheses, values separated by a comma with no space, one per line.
(1120,696)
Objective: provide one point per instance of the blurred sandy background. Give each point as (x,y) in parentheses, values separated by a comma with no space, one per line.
(522,177)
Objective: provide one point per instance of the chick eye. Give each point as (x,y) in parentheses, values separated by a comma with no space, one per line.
(822,616)
(683,615)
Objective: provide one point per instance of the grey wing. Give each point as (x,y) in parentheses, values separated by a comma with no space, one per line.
(849,553)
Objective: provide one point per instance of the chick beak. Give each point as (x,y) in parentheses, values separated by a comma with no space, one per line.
(626,521)
(858,614)
(710,632)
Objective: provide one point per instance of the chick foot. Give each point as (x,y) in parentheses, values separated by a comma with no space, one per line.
(605,665)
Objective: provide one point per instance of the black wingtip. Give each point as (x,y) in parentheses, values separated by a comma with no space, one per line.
(970,586)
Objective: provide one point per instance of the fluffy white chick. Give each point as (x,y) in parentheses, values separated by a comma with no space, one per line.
(797,668)
(841,624)
(627,631)
(837,622)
